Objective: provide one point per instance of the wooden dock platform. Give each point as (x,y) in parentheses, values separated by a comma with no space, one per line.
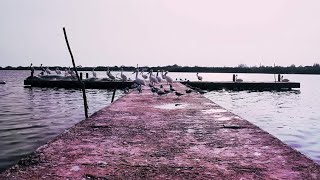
(239,86)
(144,136)
(205,85)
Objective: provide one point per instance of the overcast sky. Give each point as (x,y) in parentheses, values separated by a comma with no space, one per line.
(160,32)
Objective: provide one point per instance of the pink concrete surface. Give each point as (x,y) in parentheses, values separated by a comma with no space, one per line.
(143,136)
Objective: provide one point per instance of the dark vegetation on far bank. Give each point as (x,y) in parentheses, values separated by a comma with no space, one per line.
(314,69)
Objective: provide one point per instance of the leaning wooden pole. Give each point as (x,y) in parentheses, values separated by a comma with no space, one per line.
(80,82)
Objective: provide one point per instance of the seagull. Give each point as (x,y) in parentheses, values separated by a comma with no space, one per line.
(48,71)
(188,91)
(126,90)
(154,90)
(171,88)
(138,80)
(178,94)
(199,77)
(160,92)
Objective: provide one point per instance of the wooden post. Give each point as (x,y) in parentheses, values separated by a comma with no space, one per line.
(81,75)
(114,93)
(279,77)
(80,82)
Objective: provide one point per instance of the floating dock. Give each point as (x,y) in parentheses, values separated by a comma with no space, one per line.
(146,136)
(239,86)
(205,85)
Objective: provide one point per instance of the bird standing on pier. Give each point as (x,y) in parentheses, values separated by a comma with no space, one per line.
(152,79)
(188,91)
(199,77)
(158,77)
(110,75)
(48,71)
(138,80)
(168,78)
(171,88)
(58,72)
(178,94)
(143,75)
(123,77)
(94,74)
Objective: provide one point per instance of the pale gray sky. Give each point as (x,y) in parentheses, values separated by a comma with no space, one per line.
(160,32)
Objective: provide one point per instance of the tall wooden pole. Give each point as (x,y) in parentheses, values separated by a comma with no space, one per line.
(80,82)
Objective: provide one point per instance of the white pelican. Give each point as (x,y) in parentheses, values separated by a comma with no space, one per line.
(162,75)
(158,77)
(48,71)
(58,72)
(238,80)
(143,75)
(110,75)
(94,74)
(168,78)
(138,80)
(71,72)
(123,77)
(66,72)
(284,80)
(199,77)
(152,79)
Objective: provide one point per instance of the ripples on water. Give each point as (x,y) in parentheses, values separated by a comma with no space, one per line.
(29,117)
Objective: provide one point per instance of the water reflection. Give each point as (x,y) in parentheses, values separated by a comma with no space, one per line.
(29,117)
(282,114)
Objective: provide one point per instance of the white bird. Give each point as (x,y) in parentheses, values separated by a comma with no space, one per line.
(168,78)
(94,74)
(152,79)
(162,75)
(110,75)
(66,72)
(48,71)
(143,75)
(199,77)
(284,80)
(158,77)
(138,80)
(58,71)
(238,80)
(123,77)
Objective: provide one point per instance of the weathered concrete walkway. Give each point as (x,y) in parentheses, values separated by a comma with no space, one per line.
(144,136)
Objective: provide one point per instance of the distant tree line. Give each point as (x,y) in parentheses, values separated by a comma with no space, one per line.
(314,69)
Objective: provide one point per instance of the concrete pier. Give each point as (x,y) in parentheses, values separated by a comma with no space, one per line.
(144,136)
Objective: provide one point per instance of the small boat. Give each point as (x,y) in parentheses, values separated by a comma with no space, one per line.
(2,82)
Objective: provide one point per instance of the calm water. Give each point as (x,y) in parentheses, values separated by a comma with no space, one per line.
(29,117)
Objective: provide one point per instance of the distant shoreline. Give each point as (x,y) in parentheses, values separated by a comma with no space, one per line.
(315,69)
